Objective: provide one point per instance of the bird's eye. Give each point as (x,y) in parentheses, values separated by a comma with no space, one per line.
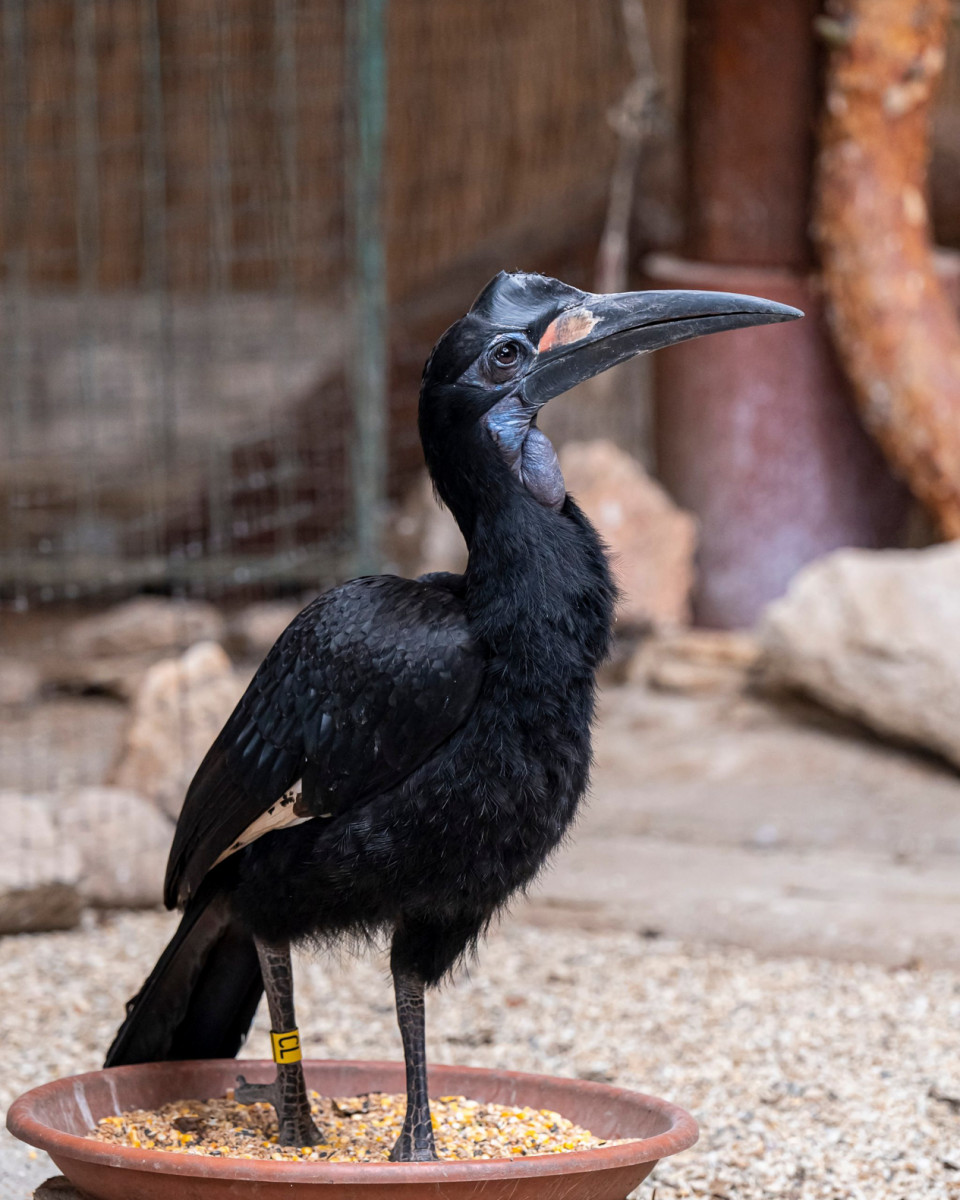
(502,361)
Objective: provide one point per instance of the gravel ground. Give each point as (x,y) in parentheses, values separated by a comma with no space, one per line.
(811,1080)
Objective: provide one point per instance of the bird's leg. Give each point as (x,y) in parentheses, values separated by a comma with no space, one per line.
(288,1092)
(415,1143)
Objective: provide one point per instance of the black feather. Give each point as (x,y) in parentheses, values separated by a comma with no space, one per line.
(358,691)
(201,996)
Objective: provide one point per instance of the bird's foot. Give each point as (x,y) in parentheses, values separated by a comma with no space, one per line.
(295,1125)
(415,1143)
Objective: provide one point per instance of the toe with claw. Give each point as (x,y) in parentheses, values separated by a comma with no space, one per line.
(295,1125)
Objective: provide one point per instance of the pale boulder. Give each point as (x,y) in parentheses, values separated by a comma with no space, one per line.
(39,872)
(254,629)
(423,537)
(875,635)
(694,661)
(20,683)
(144,625)
(118,675)
(112,651)
(653,542)
(179,709)
(122,841)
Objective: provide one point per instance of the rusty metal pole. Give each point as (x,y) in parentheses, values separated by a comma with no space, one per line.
(756,432)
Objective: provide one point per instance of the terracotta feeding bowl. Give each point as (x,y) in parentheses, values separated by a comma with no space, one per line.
(56,1116)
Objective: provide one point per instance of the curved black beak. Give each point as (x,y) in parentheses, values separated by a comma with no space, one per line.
(606,330)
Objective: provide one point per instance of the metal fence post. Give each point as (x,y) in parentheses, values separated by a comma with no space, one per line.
(369,367)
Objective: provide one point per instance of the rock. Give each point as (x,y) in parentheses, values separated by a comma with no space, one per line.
(63,742)
(423,536)
(875,635)
(58,1187)
(652,540)
(679,675)
(178,711)
(39,872)
(255,628)
(20,683)
(119,675)
(696,660)
(113,650)
(95,845)
(144,625)
(122,841)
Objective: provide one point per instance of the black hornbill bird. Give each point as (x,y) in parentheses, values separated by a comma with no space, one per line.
(411,751)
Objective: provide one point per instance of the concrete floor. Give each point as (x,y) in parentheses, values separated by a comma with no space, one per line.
(729,820)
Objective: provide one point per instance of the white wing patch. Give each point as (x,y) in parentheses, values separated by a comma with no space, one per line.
(286,812)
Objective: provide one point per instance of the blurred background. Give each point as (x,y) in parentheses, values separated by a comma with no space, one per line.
(230,233)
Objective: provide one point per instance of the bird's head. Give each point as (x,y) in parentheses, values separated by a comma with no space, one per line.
(526,339)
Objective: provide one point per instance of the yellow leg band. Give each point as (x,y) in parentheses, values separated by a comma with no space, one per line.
(286,1046)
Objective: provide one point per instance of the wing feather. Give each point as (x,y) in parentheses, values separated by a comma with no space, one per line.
(358,691)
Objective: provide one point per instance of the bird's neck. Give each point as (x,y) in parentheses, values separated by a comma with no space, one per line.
(538,588)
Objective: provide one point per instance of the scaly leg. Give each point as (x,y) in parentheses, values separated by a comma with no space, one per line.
(415,1143)
(288,1092)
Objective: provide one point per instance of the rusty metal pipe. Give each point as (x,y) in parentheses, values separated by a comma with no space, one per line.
(759,439)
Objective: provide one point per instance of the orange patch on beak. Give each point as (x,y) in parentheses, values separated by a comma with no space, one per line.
(569,327)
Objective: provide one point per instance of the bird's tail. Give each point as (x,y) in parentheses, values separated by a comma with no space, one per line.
(200,998)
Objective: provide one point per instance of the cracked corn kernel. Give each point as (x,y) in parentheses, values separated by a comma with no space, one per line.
(463,1129)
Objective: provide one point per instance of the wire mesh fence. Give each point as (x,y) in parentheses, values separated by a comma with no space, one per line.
(182,232)
(174,288)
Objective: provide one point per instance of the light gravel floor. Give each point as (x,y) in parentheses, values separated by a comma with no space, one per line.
(811,1079)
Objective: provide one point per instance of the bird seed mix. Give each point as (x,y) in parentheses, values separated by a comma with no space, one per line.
(356,1129)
